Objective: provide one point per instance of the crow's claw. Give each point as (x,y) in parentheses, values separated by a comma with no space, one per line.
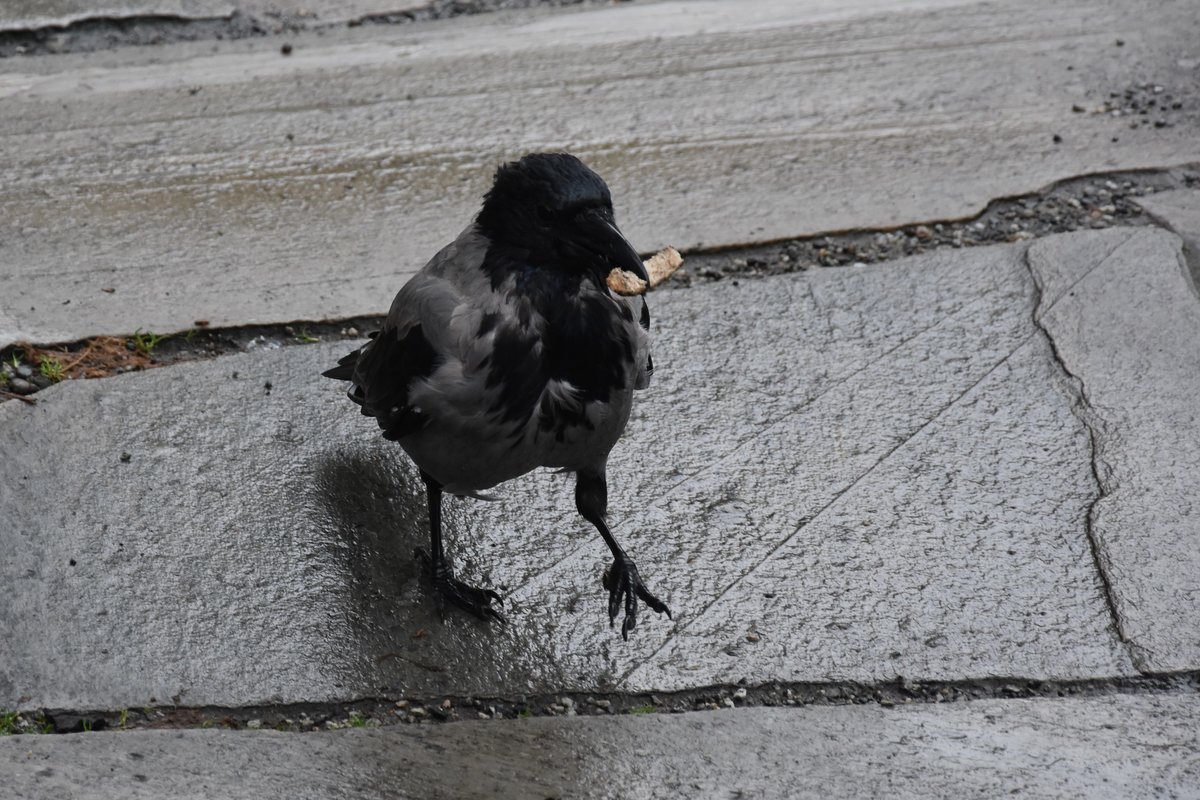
(623,582)
(469,598)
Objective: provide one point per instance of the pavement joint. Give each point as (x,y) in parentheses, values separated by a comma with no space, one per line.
(450,708)
(714,263)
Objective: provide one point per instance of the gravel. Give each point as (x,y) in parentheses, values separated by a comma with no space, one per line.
(427,711)
(1098,201)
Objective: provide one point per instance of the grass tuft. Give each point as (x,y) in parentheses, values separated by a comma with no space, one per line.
(145,342)
(52,368)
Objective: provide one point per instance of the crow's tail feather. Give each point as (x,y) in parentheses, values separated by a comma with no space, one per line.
(344,371)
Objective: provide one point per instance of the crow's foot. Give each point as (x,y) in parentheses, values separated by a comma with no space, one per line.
(447,588)
(624,583)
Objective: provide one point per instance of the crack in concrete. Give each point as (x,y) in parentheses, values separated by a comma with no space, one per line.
(1083,410)
(389,710)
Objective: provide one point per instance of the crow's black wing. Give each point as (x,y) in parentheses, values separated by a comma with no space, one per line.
(381,374)
(423,329)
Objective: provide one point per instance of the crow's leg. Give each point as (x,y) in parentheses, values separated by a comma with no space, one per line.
(621,579)
(445,585)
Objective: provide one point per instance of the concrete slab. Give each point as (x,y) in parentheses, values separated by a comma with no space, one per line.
(853,474)
(1104,747)
(241,186)
(1179,210)
(1126,327)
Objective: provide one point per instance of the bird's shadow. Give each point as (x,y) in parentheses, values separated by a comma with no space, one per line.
(373,505)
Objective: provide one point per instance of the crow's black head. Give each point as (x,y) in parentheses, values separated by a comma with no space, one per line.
(550,210)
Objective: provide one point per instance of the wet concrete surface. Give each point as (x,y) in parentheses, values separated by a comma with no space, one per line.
(858,475)
(243,186)
(1113,747)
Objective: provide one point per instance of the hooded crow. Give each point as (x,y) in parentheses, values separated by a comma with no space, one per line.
(508,352)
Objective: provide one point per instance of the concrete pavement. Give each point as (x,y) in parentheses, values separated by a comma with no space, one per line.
(975,468)
(857,474)
(1112,747)
(222,181)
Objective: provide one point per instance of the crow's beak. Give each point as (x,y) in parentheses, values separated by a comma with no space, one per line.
(606,245)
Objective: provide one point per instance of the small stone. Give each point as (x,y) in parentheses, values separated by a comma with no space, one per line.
(286,49)
(261,343)
(20,386)
(602,704)
(923,233)
(1078,109)
(752,637)
(419,712)
(24,371)
(727,702)
(740,694)
(125,458)
(402,704)
(1057,139)
(254,724)
(483,715)
(446,703)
